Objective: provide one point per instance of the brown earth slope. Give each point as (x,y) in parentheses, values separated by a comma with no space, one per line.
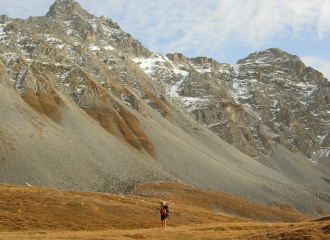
(44,213)
(175,193)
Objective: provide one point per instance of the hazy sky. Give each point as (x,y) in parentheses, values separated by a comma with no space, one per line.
(225,30)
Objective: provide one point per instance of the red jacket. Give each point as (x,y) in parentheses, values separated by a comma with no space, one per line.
(163,211)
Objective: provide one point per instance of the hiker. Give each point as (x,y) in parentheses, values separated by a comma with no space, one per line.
(163,214)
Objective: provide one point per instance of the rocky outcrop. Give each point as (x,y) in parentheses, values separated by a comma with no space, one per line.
(294,96)
(176,57)
(64,9)
(277,99)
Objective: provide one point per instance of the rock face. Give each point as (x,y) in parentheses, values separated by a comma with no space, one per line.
(85,106)
(269,97)
(291,100)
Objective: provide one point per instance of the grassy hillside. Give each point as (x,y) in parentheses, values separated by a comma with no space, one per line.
(44,213)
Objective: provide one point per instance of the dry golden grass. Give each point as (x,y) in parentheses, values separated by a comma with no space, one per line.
(43,213)
(111,120)
(43,103)
(134,125)
(158,102)
(219,202)
(1,71)
(30,98)
(260,231)
(45,100)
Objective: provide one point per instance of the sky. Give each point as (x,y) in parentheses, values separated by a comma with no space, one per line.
(225,30)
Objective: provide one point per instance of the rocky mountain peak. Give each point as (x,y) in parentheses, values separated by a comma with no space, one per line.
(271,59)
(64,9)
(3,18)
(271,54)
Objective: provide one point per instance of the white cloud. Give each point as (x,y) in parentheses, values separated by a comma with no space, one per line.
(201,26)
(318,63)
(323,23)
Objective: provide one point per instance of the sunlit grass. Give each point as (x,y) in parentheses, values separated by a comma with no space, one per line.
(43,213)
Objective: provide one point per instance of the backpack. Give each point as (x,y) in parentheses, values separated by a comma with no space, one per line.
(167,212)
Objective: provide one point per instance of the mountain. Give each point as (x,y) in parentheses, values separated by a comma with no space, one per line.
(267,98)
(85,106)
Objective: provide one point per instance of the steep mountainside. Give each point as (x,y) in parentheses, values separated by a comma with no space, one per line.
(269,97)
(85,106)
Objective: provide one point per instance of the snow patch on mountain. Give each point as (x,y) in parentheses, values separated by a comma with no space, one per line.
(150,65)
(3,34)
